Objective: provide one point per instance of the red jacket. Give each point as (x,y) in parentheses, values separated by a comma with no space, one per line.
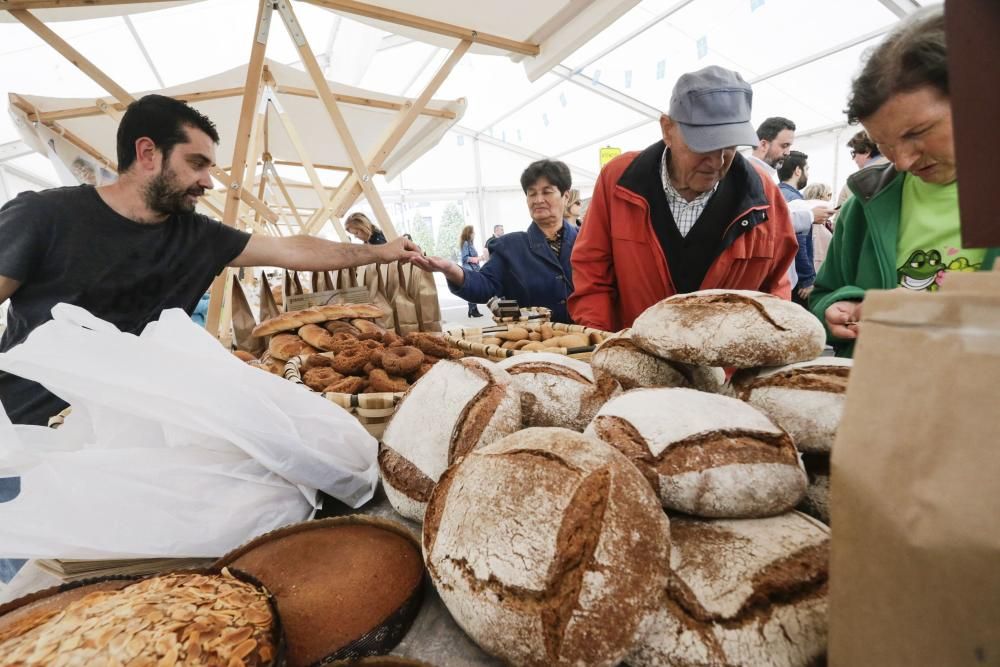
(620,269)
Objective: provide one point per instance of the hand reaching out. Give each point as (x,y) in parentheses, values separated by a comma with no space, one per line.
(843,317)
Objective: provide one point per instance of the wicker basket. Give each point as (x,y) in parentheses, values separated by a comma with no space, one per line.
(470,340)
(533,314)
(372,410)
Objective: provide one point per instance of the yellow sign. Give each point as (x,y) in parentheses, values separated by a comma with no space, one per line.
(608,154)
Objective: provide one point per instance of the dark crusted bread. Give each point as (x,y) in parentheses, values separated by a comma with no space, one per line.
(729,328)
(548,548)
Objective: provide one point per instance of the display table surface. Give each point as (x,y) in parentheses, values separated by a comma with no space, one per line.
(434,638)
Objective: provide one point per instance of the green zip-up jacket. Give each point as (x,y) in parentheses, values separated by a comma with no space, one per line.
(862,253)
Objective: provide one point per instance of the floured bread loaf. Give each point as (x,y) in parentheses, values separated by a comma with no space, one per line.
(174,619)
(705,454)
(620,358)
(805,399)
(455,408)
(557,390)
(548,548)
(729,328)
(750,592)
(817,500)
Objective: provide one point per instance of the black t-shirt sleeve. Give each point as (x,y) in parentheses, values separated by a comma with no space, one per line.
(25,229)
(225,242)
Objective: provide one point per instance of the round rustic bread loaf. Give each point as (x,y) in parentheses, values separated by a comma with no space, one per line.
(750,592)
(557,390)
(620,358)
(705,454)
(805,399)
(173,619)
(729,328)
(817,499)
(548,548)
(456,407)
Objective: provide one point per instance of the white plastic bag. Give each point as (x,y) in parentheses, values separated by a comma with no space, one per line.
(174,447)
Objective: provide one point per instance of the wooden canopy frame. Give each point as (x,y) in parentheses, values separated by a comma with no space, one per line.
(251,140)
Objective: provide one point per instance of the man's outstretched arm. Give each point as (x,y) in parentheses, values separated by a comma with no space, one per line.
(309,253)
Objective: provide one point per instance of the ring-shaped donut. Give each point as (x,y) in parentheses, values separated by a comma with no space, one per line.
(351,361)
(349,385)
(430,344)
(379,380)
(401,360)
(320,377)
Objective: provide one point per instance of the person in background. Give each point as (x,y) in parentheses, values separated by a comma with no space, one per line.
(531,267)
(901,226)
(821,234)
(573,205)
(470,260)
(685,214)
(200,313)
(794,175)
(865,153)
(358,225)
(497,233)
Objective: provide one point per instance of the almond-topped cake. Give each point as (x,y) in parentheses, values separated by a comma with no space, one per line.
(174,619)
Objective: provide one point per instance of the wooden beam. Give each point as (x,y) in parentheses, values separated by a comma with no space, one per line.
(63,4)
(343,131)
(347,195)
(365,102)
(430,25)
(83,112)
(288,198)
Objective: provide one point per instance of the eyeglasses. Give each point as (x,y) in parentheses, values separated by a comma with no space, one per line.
(854,153)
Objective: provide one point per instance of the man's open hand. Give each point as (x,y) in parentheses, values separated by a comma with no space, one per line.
(400,250)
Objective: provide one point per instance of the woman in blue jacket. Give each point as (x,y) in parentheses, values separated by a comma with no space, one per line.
(531,267)
(470,261)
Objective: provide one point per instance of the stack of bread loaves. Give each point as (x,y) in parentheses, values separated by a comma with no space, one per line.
(345,352)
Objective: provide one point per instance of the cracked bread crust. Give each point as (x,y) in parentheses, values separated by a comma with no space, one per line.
(741,593)
(729,328)
(806,399)
(619,358)
(543,546)
(557,391)
(725,463)
(453,409)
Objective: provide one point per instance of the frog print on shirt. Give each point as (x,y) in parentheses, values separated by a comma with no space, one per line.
(924,270)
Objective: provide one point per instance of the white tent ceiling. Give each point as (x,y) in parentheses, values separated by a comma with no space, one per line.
(606,90)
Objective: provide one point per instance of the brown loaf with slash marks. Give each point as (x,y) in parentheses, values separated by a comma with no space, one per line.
(705,454)
(297,319)
(748,592)
(729,328)
(453,409)
(548,548)
(557,390)
(620,358)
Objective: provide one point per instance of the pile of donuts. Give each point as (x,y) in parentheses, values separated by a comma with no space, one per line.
(544,338)
(345,352)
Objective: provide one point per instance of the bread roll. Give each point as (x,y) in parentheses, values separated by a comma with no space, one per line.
(556,390)
(317,336)
(548,548)
(285,346)
(729,328)
(741,593)
(705,454)
(453,409)
(620,358)
(299,318)
(244,356)
(805,399)
(817,499)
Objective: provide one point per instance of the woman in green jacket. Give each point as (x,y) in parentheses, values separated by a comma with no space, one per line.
(901,226)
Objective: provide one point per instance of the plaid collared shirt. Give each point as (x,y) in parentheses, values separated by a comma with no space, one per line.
(685,212)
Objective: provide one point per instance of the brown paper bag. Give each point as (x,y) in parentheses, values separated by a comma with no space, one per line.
(244,322)
(290,286)
(375,281)
(322,281)
(347,278)
(404,310)
(268,305)
(423,292)
(915,562)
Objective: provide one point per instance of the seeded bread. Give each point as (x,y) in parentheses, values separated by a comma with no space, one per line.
(729,328)
(705,454)
(805,399)
(621,359)
(548,548)
(557,390)
(455,408)
(751,592)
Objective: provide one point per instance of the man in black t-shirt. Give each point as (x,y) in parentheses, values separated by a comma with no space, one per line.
(130,250)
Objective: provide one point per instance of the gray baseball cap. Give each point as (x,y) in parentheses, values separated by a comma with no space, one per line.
(712,108)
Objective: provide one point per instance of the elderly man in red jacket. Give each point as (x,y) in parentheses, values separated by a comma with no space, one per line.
(685,214)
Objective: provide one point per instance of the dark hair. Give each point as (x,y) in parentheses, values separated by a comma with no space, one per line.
(773,126)
(495,228)
(794,159)
(467,232)
(862,143)
(163,120)
(556,172)
(913,56)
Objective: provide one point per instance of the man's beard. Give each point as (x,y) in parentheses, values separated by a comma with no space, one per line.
(775,162)
(163,196)
(803,182)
